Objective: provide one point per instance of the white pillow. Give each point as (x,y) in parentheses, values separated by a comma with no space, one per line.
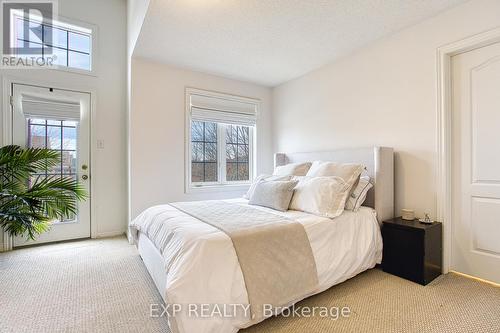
(349,172)
(261,178)
(358,196)
(323,196)
(273,194)
(292,169)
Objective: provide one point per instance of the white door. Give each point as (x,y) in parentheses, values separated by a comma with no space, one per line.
(59,120)
(476,163)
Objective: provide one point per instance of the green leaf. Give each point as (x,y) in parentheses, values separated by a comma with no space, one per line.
(29,210)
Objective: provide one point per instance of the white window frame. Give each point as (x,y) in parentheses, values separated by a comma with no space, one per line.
(71,25)
(222,184)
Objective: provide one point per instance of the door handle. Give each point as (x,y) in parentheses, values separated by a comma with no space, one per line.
(85,177)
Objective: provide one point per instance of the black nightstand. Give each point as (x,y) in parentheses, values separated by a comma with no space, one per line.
(412,250)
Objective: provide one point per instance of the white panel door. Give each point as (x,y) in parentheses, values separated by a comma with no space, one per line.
(51,124)
(476,163)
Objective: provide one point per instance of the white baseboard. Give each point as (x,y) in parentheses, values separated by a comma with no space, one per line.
(110,233)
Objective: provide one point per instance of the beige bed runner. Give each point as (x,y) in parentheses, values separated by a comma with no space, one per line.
(274,252)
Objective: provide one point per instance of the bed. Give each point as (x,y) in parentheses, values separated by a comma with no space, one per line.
(195,263)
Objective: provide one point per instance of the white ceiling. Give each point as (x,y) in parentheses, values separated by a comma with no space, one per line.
(271,41)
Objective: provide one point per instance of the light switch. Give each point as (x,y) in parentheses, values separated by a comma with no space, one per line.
(100,144)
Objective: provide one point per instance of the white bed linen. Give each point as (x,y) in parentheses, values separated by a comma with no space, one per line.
(202,266)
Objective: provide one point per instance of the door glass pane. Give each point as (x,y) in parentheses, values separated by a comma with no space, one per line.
(69,138)
(36,136)
(53,122)
(59,136)
(69,123)
(55,170)
(54,137)
(69,162)
(35,178)
(34,121)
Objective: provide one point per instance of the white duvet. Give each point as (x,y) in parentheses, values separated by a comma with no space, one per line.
(202,266)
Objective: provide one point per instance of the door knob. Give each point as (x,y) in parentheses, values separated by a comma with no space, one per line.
(85,177)
(85,167)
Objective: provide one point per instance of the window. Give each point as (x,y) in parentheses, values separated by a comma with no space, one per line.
(237,153)
(69,46)
(221,146)
(204,152)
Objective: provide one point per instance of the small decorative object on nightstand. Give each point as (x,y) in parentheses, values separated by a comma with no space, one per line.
(426,219)
(412,250)
(408,214)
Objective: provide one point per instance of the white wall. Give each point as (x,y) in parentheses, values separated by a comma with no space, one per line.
(108,164)
(157,131)
(384,94)
(136,12)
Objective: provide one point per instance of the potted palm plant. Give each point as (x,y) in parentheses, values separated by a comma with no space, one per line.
(28,204)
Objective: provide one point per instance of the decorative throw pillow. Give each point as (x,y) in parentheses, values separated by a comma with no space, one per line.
(349,172)
(323,196)
(358,196)
(273,194)
(261,178)
(292,169)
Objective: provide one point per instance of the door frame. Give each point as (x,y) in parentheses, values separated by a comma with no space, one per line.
(444,129)
(6,138)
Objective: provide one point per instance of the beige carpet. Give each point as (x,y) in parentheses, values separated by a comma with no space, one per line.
(102,286)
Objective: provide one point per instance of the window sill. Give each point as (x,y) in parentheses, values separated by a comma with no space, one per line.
(73,70)
(218,188)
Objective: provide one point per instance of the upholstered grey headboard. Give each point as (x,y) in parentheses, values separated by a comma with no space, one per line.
(379,163)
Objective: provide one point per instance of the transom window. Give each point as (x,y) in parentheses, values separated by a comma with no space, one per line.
(66,45)
(221,140)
